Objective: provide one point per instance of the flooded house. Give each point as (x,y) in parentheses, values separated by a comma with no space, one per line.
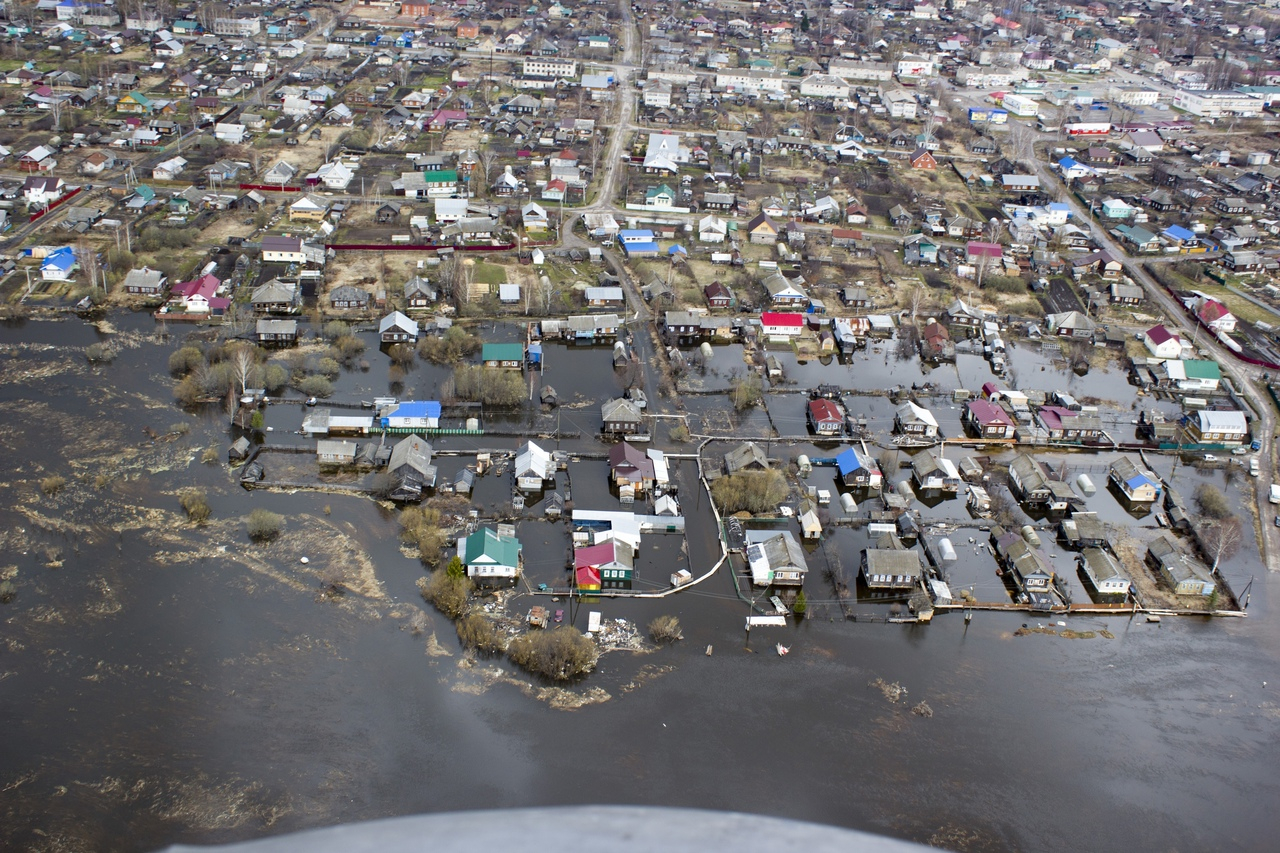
(1082,530)
(276,297)
(620,416)
(1104,572)
(985,419)
(915,420)
(747,456)
(504,356)
(397,328)
(932,472)
(332,451)
(630,468)
(857,469)
(1184,574)
(276,332)
(410,415)
(825,417)
(891,568)
(1026,566)
(775,559)
(410,465)
(1137,485)
(490,555)
(534,468)
(606,565)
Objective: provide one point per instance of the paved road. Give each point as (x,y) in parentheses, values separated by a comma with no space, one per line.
(1241,374)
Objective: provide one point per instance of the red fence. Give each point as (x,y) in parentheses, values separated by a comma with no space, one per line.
(75,192)
(412,247)
(271,188)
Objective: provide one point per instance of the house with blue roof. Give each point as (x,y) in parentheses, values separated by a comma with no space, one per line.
(59,265)
(1070,168)
(416,414)
(1137,485)
(637,242)
(1176,235)
(857,469)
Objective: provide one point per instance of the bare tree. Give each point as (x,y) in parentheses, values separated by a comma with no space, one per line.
(242,362)
(488,165)
(917,298)
(981,264)
(1221,539)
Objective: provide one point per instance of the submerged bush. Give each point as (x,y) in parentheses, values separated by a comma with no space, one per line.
(263,525)
(559,654)
(448,594)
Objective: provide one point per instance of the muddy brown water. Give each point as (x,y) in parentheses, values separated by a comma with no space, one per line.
(163,683)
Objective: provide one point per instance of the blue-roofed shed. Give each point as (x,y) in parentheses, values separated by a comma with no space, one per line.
(421,414)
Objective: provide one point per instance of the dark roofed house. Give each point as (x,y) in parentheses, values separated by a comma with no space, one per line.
(747,456)
(620,417)
(349,296)
(630,466)
(410,465)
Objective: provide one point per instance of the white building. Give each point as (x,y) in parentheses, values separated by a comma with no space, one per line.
(911,65)
(824,86)
(242,27)
(169,169)
(901,104)
(1134,96)
(1216,103)
(543,66)
(746,80)
(665,153)
(850,70)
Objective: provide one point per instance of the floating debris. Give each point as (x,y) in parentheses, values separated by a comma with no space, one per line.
(893,692)
(922,709)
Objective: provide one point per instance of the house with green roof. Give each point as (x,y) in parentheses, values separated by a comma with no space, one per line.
(508,356)
(660,196)
(488,555)
(135,102)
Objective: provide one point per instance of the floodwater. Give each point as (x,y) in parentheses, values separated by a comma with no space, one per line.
(163,683)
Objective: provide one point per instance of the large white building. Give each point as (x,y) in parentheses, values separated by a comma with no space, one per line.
(824,86)
(543,66)
(1216,103)
(243,27)
(745,80)
(911,65)
(901,104)
(1134,96)
(850,70)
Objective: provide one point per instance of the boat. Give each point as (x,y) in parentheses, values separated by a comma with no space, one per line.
(1152,617)
(782,650)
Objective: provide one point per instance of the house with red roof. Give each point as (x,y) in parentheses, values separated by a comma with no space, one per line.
(776,324)
(1216,316)
(976,249)
(825,417)
(608,565)
(987,420)
(443,119)
(1162,343)
(197,297)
